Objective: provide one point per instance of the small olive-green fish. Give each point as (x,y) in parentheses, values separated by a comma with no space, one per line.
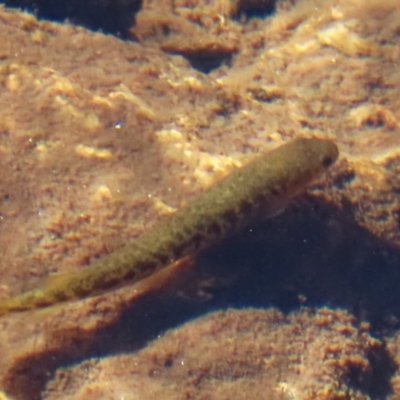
(261,188)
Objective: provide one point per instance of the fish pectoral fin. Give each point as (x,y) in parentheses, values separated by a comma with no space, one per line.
(163,277)
(275,210)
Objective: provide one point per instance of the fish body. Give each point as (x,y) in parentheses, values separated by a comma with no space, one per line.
(258,189)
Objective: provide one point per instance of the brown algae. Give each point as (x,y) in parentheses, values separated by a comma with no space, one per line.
(260,188)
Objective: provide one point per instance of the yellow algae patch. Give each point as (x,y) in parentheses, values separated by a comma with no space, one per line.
(41,148)
(305,46)
(101,193)
(373,115)
(102,101)
(213,167)
(292,48)
(388,157)
(91,152)
(38,36)
(290,392)
(188,81)
(266,93)
(14,76)
(12,82)
(373,175)
(3,396)
(175,145)
(341,38)
(169,136)
(88,118)
(207,168)
(44,148)
(162,208)
(143,109)
(193,82)
(60,86)
(52,91)
(59,92)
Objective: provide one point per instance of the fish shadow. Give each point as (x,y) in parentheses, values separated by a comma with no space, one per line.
(312,255)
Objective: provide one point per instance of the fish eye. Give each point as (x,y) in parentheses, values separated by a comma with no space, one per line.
(327,161)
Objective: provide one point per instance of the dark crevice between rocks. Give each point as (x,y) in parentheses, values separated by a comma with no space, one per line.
(208,62)
(117,17)
(256,8)
(109,16)
(313,255)
(204,59)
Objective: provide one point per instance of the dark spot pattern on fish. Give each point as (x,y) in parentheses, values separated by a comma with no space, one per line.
(264,186)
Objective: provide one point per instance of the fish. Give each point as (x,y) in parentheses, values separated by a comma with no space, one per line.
(259,189)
